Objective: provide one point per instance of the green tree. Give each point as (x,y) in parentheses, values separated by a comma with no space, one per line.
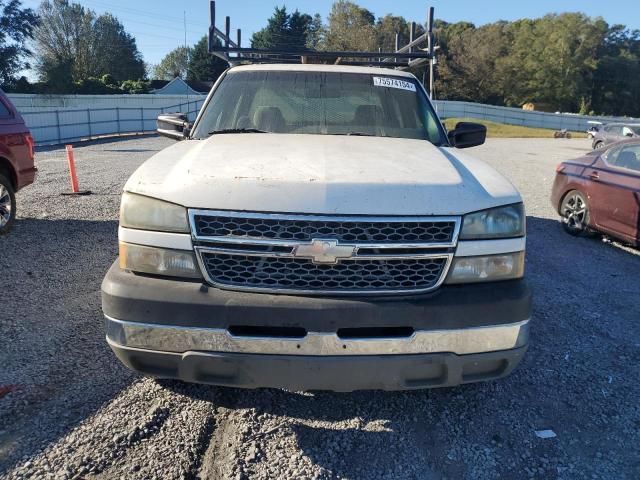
(386,30)
(315,33)
(174,64)
(616,89)
(566,62)
(469,69)
(204,66)
(350,28)
(16,27)
(300,25)
(73,45)
(135,86)
(552,60)
(445,32)
(275,33)
(119,55)
(287,31)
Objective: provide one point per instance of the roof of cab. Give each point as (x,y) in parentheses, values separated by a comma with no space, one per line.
(296,67)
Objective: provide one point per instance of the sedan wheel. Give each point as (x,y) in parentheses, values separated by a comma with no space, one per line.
(7,205)
(599,146)
(575,214)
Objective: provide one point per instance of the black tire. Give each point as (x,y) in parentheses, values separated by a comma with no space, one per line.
(574,211)
(7,205)
(598,146)
(568,135)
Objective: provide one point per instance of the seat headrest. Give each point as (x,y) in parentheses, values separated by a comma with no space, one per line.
(368,115)
(269,119)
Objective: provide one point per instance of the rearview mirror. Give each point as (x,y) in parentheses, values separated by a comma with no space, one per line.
(174,125)
(467,134)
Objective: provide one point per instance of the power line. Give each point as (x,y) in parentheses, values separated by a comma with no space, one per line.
(127,20)
(144,13)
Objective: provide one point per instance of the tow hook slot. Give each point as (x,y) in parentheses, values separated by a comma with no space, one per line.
(266,332)
(375,333)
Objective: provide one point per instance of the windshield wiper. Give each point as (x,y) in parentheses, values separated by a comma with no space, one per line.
(236,130)
(360,134)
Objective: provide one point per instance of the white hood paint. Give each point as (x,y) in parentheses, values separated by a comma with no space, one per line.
(321,174)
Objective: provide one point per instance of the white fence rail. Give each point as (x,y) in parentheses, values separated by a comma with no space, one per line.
(516,116)
(122,114)
(30,102)
(58,126)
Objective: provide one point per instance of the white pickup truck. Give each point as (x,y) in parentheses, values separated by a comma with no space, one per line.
(318,229)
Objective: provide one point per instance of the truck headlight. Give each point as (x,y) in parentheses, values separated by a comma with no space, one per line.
(490,268)
(158,261)
(145,213)
(501,222)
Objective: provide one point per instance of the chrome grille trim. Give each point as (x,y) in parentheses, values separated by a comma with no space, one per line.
(241,246)
(325,218)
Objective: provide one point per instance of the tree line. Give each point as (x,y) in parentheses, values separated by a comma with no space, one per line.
(74,50)
(568,62)
(562,62)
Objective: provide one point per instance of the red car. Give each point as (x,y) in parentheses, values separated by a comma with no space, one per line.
(601,192)
(17,169)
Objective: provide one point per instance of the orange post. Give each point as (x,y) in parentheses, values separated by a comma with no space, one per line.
(72,169)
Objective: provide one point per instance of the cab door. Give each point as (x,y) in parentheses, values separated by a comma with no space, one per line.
(614,192)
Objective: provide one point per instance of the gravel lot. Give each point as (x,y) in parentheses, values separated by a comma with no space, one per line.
(74,412)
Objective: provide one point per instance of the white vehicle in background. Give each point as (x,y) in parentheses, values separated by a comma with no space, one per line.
(594,129)
(318,229)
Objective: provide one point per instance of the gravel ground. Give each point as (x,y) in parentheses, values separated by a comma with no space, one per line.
(74,412)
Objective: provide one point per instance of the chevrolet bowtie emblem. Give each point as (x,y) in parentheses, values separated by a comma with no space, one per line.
(324,251)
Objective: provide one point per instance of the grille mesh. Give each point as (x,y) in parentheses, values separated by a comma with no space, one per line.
(306,230)
(302,274)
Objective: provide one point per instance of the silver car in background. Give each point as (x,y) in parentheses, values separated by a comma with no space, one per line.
(614,132)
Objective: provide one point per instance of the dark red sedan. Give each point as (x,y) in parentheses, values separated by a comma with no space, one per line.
(17,169)
(601,192)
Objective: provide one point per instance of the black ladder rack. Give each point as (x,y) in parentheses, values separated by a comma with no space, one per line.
(409,56)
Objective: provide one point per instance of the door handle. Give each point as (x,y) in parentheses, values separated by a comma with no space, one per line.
(594,175)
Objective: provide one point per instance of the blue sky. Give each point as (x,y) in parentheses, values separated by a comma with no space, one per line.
(158,24)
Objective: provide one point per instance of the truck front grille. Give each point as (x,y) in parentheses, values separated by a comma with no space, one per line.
(349,231)
(323,255)
(284,273)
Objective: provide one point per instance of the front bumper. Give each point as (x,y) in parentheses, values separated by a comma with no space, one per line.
(26,177)
(335,373)
(186,330)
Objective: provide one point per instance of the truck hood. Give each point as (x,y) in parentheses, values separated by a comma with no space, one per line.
(321,174)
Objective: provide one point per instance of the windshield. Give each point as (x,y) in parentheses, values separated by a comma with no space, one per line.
(320,103)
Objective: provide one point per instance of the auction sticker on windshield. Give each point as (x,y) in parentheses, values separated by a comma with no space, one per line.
(394,83)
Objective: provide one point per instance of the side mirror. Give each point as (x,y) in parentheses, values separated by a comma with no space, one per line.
(467,134)
(174,125)
(628,134)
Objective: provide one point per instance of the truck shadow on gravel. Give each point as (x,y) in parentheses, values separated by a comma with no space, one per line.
(125,139)
(52,330)
(576,380)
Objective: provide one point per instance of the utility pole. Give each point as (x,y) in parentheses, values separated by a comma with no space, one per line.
(186,55)
(432,49)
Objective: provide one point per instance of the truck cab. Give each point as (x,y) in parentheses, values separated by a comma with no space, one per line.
(317,228)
